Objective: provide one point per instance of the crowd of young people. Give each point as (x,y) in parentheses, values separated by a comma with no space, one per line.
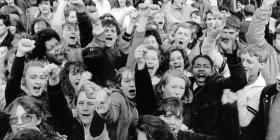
(139,70)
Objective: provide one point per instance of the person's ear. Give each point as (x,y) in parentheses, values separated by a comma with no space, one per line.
(23,81)
(39,121)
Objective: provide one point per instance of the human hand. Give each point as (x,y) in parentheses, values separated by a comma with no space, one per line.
(228,97)
(25,46)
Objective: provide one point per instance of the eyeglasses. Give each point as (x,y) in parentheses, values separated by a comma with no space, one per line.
(25,118)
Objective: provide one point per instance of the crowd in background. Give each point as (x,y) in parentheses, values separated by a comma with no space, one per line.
(139,69)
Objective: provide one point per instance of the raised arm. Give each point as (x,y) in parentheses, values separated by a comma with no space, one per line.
(59,16)
(13,87)
(256,31)
(62,114)
(237,80)
(139,34)
(84,23)
(145,99)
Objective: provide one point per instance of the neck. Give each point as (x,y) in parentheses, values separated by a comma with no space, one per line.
(252,79)
(11,4)
(46,15)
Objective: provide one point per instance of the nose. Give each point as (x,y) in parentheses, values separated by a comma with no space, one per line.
(172,120)
(85,107)
(19,121)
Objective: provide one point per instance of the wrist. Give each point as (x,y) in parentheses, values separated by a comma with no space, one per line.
(20,54)
(53,81)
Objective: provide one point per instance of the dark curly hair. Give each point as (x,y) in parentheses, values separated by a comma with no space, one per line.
(5,18)
(41,37)
(67,88)
(109,23)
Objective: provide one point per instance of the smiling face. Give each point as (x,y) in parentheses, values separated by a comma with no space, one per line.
(20,120)
(54,51)
(85,108)
(35,80)
(128,84)
(201,69)
(45,7)
(176,60)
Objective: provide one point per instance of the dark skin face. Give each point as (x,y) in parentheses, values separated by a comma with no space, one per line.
(201,69)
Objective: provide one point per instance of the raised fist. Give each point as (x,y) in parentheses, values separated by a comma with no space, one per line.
(25,46)
(228,97)
(52,71)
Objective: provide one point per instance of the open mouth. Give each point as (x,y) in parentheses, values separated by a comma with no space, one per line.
(180,42)
(37,89)
(160,23)
(224,39)
(178,66)
(109,38)
(132,91)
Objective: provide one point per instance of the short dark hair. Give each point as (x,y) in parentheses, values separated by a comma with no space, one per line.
(152,126)
(5,18)
(108,23)
(233,22)
(203,56)
(172,104)
(89,3)
(154,33)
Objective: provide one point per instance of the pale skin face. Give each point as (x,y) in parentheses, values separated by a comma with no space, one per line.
(111,36)
(72,17)
(23,120)
(128,84)
(252,66)
(174,121)
(152,61)
(45,7)
(35,80)
(176,61)
(85,108)
(183,36)
(175,87)
(151,41)
(211,21)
